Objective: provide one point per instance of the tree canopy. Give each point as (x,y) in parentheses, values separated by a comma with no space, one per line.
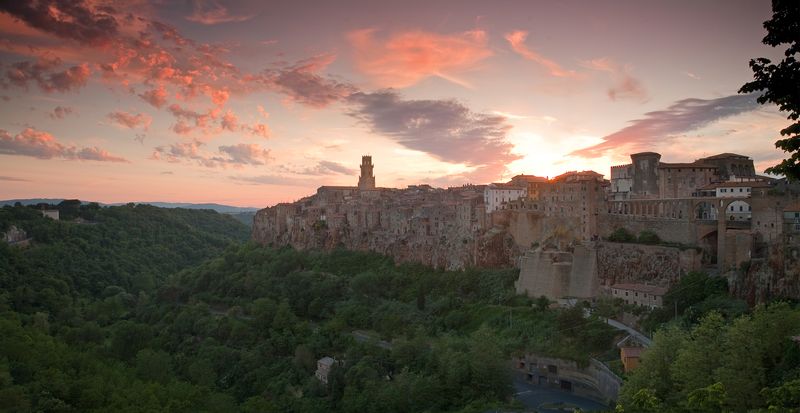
(779,83)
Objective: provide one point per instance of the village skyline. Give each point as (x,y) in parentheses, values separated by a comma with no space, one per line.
(224,102)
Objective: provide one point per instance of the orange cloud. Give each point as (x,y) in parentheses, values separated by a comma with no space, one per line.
(517,41)
(406,58)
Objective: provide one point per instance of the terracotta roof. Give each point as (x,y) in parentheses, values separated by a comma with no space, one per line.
(632,351)
(530,178)
(642,288)
(794,206)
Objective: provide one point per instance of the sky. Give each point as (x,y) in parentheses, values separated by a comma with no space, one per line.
(252,103)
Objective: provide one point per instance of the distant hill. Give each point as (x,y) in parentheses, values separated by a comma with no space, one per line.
(223,209)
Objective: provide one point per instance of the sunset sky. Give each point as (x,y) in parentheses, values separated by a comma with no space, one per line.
(252,103)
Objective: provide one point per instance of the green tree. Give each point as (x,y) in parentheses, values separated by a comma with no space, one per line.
(780,83)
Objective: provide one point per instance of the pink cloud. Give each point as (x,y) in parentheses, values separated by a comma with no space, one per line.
(406,58)
(130,120)
(156,97)
(229,121)
(517,41)
(236,156)
(39,144)
(625,87)
(258,129)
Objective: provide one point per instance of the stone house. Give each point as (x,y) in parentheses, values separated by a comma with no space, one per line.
(324,366)
(639,294)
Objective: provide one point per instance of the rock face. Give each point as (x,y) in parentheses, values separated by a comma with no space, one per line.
(585,269)
(767,278)
(443,228)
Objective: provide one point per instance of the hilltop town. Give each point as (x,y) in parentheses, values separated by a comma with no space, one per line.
(574,235)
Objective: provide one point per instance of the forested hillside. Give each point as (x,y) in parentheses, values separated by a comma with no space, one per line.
(91,320)
(717,355)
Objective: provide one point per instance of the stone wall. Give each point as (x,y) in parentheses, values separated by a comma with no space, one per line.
(586,270)
(594,381)
(643,264)
(670,230)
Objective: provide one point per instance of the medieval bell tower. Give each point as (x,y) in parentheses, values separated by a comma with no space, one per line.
(366,180)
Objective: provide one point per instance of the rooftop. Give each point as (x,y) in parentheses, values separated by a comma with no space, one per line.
(725,155)
(642,288)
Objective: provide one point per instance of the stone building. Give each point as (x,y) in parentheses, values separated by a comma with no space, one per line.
(535,185)
(366,180)
(730,165)
(497,194)
(639,294)
(50,213)
(324,366)
(579,195)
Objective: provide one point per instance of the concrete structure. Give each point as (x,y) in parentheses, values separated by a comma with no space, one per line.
(630,357)
(651,296)
(497,195)
(366,180)
(594,381)
(324,366)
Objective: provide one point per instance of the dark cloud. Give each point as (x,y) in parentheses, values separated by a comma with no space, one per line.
(210,12)
(46,74)
(301,83)
(130,120)
(42,145)
(60,112)
(13,179)
(682,116)
(445,129)
(69,19)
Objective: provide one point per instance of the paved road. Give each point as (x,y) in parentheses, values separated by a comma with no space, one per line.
(364,337)
(534,396)
(636,334)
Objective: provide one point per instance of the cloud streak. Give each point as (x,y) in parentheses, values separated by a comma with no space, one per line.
(663,125)
(236,156)
(404,59)
(517,41)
